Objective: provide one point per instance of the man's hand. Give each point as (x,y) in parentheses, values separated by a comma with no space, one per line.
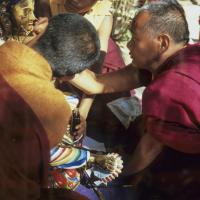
(40,25)
(38,29)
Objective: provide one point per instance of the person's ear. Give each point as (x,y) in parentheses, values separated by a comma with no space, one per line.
(164,42)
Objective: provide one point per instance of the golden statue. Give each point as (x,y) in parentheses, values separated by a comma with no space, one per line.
(18,22)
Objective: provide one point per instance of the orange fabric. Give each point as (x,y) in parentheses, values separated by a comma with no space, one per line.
(30,75)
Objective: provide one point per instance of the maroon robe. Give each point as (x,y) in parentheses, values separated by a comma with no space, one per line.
(24,148)
(113,60)
(173,101)
(171,105)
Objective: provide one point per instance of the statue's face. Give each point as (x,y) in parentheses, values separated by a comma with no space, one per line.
(23,14)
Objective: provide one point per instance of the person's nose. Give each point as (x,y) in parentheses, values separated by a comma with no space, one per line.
(32,17)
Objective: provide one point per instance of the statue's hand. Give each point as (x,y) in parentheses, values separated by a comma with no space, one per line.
(111,162)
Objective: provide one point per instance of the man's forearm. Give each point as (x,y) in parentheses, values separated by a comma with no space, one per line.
(145,153)
(122,80)
(85,105)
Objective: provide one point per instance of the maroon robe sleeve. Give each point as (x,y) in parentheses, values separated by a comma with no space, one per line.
(24,148)
(171,106)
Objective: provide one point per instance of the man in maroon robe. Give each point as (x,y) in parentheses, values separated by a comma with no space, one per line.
(169,148)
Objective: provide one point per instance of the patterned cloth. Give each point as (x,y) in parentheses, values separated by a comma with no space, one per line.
(64,164)
(68,158)
(123,12)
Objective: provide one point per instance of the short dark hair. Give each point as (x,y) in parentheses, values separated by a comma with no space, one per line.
(167,17)
(70,44)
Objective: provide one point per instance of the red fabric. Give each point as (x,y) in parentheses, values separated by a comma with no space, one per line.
(113,60)
(24,148)
(171,102)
